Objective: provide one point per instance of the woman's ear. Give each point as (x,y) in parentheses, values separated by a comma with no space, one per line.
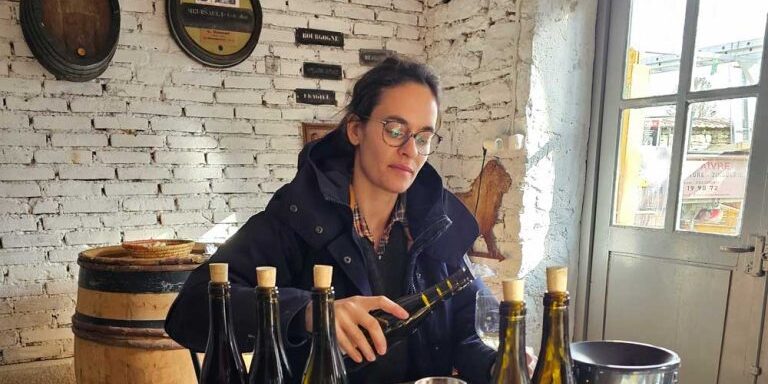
(354,126)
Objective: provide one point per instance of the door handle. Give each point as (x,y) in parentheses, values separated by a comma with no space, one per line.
(755,265)
(746,249)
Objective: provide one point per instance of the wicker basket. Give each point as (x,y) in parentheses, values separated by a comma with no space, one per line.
(159,248)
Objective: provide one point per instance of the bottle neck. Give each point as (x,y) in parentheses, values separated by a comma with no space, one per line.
(512,337)
(267,362)
(220,311)
(448,287)
(555,327)
(267,310)
(267,299)
(323,322)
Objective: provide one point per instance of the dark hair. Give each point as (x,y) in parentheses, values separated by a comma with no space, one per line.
(393,71)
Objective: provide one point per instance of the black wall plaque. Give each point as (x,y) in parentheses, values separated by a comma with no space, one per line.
(322,71)
(319,37)
(374,56)
(315,96)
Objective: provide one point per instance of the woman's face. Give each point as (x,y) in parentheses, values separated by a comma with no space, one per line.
(393,169)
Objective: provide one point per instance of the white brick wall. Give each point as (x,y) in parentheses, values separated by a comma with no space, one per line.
(119,140)
(489,92)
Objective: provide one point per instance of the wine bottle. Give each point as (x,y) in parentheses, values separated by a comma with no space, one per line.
(510,367)
(324,365)
(418,306)
(269,364)
(555,365)
(222,363)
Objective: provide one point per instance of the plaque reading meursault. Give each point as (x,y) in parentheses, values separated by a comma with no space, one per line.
(315,96)
(218,33)
(319,37)
(322,71)
(374,56)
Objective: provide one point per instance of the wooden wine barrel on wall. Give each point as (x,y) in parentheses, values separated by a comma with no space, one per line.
(119,320)
(73,39)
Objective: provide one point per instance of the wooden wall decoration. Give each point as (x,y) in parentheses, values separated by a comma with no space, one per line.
(73,39)
(495,183)
(217,33)
(314,131)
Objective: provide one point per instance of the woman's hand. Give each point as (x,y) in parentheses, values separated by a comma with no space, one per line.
(351,315)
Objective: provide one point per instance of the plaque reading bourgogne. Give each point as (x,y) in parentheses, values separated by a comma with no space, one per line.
(319,37)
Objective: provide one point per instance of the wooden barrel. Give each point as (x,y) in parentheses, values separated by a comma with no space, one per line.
(119,320)
(73,39)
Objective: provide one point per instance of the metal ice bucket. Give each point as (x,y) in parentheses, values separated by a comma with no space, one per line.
(440,380)
(623,362)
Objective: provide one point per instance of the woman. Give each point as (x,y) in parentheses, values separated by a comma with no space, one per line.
(365,201)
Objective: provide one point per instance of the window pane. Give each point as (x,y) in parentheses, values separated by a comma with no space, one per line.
(729,43)
(714,173)
(642,176)
(653,50)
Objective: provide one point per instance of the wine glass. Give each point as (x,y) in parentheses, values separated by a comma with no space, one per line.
(487,318)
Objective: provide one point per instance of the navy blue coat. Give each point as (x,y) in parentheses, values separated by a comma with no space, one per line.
(308,222)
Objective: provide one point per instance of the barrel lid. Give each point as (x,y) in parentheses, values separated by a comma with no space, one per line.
(73,39)
(117,255)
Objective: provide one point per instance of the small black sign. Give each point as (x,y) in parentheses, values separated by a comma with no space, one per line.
(322,71)
(374,56)
(315,96)
(319,37)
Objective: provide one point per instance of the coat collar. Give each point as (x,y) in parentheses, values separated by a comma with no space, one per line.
(315,203)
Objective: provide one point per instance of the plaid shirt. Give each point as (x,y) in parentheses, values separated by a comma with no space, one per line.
(361,227)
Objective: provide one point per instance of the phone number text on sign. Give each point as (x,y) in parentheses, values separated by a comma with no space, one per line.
(715,178)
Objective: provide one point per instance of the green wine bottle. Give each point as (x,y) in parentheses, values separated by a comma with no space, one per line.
(418,305)
(510,367)
(269,364)
(555,365)
(223,363)
(324,365)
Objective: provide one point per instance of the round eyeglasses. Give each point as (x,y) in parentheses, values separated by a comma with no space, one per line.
(397,134)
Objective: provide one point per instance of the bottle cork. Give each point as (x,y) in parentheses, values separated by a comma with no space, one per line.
(219,272)
(323,275)
(557,279)
(513,289)
(266,276)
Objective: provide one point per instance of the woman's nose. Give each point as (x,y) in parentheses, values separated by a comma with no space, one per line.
(409,147)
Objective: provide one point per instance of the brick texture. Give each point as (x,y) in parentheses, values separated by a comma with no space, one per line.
(158,146)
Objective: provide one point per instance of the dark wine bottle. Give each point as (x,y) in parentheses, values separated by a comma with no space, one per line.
(418,306)
(510,367)
(555,365)
(223,363)
(269,364)
(324,365)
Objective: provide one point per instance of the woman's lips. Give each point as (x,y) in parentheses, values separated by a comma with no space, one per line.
(402,168)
